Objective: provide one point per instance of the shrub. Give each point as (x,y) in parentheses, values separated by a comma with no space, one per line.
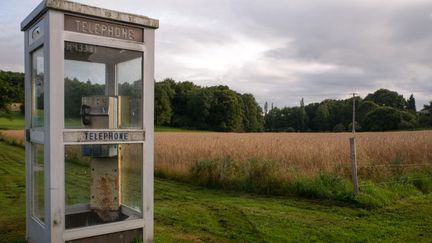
(204,172)
(339,128)
(325,186)
(382,119)
(264,177)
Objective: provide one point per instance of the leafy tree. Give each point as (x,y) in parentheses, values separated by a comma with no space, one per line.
(4,98)
(364,108)
(339,128)
(411,105)
(272,119)
(358,127)
(183,93)
(199,108)
(225,112)
(164,93)
(303,118)
(425,116)
(290,119)
(211,108)
(15,81)
(428,108)
(340,112)
(252,118)
(385,97)
(11,88)
(265,108)
(311,111)
(382,119)
(322,118)
(408,120)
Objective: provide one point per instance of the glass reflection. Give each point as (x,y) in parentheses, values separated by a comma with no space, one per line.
(37,80)
(38,173)
(92,72)
(102,183)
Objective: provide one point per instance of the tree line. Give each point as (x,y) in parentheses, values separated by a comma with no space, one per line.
(218,108)
(11,89)
(383,110)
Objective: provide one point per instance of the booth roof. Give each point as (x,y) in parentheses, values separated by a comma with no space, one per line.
(82,9)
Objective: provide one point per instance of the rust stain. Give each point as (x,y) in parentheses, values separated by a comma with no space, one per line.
(105,189)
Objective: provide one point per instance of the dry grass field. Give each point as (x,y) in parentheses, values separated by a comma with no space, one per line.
(304,153)
(17,135)
(301,153)
(391,165)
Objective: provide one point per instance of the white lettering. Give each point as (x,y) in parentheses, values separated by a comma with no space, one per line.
(110,31)
(106,136)
(103,29)
(84,27)
(90,28)
(78,25)
(96,29)
(117,32)
(124,33)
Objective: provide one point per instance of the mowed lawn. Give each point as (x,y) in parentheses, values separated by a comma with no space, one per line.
(14,121)
(185,213)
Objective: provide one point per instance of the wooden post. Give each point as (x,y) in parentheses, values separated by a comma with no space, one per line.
(353,120)
(353,165)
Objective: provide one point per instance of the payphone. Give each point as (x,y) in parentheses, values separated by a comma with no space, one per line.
(102,111)
(89,84)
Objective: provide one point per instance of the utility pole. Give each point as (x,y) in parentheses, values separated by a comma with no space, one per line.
(353,119)
(353,153)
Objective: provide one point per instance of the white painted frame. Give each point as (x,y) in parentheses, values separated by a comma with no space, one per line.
(34,227)
(52,134)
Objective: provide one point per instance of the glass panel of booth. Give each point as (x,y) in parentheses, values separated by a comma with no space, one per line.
(37,88)
(38,171)
(103,87)
(103,183)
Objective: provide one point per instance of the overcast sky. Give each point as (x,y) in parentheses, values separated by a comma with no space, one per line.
(278,50)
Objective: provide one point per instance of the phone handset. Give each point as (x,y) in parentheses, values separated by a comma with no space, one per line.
(85,111)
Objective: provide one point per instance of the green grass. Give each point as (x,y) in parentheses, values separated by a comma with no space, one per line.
(190,214)
(12,121)
(12,193)
(263,177)
(185,213)
(15,121)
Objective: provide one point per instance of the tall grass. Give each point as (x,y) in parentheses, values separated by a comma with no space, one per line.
(305,153)
(390,165)
(309,165)
(13,137)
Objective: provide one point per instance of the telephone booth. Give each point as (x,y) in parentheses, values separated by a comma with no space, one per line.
(89,84)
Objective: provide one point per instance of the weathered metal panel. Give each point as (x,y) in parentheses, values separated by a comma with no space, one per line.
(82,9)
(104,189)
(102,28)
(148,118)
(103,135)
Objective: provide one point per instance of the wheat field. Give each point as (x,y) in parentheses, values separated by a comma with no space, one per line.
(302,153)
(305,153)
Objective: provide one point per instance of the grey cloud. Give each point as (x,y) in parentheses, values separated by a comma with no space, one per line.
(388,45)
